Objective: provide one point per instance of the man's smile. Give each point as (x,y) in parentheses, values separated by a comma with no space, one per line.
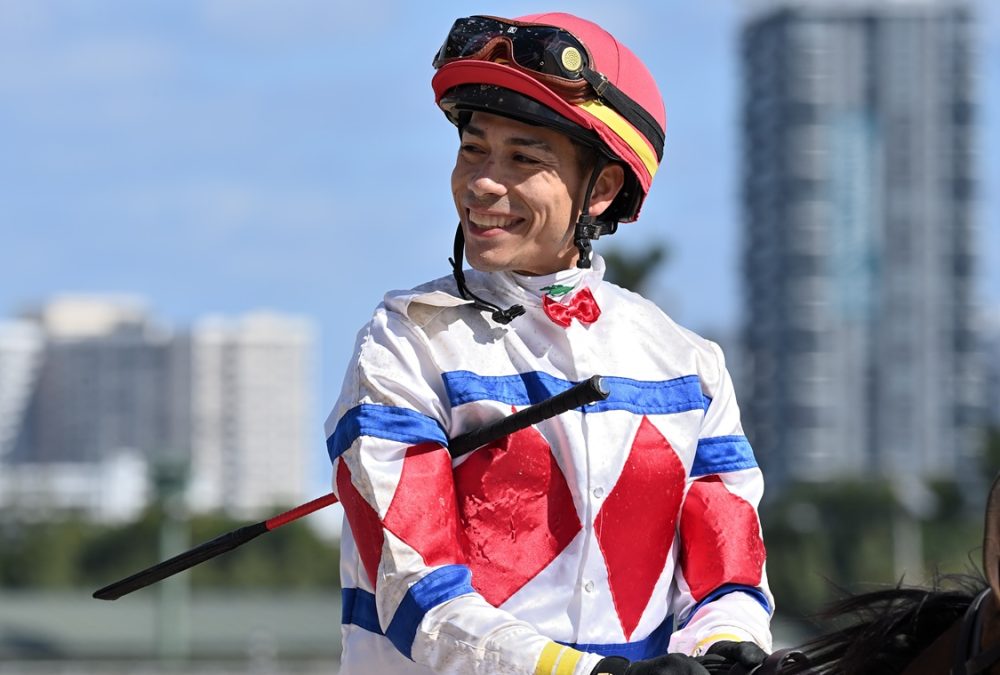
(482,223)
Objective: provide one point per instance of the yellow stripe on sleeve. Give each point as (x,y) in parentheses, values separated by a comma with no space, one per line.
(567,661)
(624,130)
(713,638)
(557,659)
(547,661)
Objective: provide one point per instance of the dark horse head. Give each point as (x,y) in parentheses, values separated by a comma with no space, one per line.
(917,631)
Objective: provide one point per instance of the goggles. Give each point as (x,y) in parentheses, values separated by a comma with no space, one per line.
(553,54)
(542,49)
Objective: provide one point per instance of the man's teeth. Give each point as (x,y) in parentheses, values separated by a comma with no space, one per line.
(485,222)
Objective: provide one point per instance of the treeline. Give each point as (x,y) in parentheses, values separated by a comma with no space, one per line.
(822,539)
(827,540)
(73,553)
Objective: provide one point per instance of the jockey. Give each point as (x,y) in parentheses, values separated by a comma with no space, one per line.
(621,537)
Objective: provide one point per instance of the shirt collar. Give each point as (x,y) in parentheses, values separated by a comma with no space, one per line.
(557,285)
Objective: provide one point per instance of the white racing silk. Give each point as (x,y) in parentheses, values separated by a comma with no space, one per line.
(628,527)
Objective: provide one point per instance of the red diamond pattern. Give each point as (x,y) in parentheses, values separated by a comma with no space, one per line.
(365,524)
(720,535)
(635,526)
(431,532)
(516,510)
(422,512)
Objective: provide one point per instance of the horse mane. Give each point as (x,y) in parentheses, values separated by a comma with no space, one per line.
(884,630)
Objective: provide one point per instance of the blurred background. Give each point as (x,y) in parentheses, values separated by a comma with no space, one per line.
(202,202)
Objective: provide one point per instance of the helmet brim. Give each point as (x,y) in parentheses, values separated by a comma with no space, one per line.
(487,72)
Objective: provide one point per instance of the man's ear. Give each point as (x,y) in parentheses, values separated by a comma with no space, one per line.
(608,184)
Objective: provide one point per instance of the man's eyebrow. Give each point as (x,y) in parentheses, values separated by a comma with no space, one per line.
(518,141)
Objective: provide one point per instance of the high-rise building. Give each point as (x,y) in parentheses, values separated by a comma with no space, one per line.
(103,382)
(858,251)
(98,403)
(95,411)
(21,345)
(249,402)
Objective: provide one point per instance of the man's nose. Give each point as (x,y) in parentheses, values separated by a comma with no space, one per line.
(487,180)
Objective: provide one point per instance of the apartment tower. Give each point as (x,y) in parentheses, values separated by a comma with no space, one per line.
(858,251)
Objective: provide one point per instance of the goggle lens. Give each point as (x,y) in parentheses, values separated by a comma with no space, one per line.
(544,49)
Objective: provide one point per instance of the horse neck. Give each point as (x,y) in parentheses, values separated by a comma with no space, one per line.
(952,652)
(938,656)
(988,625)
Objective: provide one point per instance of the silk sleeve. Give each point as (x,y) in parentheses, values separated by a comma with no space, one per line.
(721,585)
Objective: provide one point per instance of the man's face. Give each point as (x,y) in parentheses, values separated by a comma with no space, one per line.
(518,190)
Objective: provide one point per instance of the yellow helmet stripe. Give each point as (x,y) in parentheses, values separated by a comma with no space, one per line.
(623,130)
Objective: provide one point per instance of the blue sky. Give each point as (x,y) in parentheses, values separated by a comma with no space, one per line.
(229,155)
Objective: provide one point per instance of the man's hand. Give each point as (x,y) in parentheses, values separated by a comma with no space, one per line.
(670,664)
(723,658)
(732,658)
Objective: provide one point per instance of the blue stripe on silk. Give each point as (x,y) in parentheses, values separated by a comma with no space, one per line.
(726,589)
(720,454)
(464,386)
(438,587)
(382,421)
(638,396)
(358,609)
(653,645)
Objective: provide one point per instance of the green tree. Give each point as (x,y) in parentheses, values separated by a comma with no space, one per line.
(824,540)
(73,553)
(823,536)
(41,554)
(635,271)
(991,451)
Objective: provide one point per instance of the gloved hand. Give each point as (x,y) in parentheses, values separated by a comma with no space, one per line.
(732,658)
(670,664)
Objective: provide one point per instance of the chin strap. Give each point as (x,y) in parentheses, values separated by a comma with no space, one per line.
(587,226)
(499,315)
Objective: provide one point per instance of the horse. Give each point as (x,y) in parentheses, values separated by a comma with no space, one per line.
(912,631)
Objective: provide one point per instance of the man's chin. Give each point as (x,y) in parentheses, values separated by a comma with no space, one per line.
(486,264)
(493,261)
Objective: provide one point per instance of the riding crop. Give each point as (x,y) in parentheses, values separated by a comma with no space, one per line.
(581,394)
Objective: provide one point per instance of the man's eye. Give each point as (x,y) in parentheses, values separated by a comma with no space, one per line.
(524,159)
(468,147)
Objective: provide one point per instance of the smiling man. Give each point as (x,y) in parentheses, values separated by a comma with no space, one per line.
(622,537)
(517,187)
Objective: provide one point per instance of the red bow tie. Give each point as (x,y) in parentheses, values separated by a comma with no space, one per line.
(581,307)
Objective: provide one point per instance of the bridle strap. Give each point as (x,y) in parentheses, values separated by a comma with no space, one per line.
(969,660)
(982,661)
(778,661)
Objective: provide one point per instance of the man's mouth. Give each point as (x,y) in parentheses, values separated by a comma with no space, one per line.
(486,221)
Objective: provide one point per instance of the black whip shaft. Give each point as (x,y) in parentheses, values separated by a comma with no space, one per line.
(576,396)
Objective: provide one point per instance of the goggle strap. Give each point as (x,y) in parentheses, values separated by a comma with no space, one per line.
(629,109)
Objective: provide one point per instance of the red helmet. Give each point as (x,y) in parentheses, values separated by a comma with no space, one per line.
(588,85)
